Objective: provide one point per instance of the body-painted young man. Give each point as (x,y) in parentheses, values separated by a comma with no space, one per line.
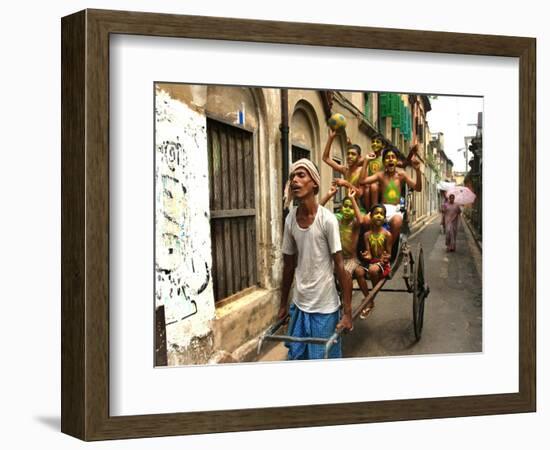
(354,170)
(349,222)
(374,165)
(391,180)
(312,254)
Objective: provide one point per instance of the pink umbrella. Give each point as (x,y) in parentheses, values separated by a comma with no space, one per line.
(463,195)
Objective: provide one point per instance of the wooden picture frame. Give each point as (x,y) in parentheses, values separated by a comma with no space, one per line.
(85,224)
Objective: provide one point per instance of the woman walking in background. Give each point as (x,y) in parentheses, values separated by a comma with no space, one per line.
(451,214)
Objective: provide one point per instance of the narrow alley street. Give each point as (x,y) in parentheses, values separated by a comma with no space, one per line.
(453,310)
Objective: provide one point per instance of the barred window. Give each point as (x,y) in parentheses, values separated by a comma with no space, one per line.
(299,153)
(232,208)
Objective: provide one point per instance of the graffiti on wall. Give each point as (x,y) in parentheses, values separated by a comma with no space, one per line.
(182,229)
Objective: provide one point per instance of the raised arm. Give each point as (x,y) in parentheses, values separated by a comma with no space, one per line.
(330,193)
(412,152)
(365,164)
(358,214)
(417,186)
(326,154)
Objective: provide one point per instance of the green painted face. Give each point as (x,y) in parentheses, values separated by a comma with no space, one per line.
(390,160)
(378,216)
(352,156)
(377,145)
(347,210)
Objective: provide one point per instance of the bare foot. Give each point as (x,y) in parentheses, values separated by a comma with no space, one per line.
(365,313)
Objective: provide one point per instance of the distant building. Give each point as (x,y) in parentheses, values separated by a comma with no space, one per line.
(443,166)
(473,178)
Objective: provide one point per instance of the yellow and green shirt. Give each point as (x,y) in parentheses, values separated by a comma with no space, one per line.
(375,165)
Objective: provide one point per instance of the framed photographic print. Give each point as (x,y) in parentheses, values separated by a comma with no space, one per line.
(199,157)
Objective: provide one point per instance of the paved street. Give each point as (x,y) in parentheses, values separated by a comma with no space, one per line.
(452,319)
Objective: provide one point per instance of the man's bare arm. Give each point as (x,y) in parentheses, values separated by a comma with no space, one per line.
(416,185)
(289,266)
(388,247)
(330,193)
(342,182)
(360,217)
(326,154)
(365,164)
(408,161)
(372,179)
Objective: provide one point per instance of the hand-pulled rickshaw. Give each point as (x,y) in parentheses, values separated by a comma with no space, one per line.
(413,277)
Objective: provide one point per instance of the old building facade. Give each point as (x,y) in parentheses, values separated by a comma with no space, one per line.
(222,155)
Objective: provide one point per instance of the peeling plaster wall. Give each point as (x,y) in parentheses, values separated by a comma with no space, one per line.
(301,131)
(197,339)
(182,234)
(273,183)
(226,103)
(308,103)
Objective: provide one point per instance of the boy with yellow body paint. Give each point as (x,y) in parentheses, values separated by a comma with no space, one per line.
(378,246)
(391,180)
(355,168)
(349,222)
(374,165)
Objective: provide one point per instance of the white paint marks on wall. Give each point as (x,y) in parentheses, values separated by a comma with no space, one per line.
(183,264)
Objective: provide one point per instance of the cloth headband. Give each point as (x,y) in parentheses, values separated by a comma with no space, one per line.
(313,173)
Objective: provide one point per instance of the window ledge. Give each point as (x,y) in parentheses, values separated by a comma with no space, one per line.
(240,300)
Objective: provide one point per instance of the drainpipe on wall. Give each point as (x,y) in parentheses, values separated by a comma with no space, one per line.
(284,137)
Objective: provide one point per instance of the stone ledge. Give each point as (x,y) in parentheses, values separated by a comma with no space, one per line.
(246,318)
(247,352)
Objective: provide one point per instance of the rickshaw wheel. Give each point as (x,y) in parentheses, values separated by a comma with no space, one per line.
(419,295)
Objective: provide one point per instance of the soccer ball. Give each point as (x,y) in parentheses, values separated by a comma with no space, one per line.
(337,121)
